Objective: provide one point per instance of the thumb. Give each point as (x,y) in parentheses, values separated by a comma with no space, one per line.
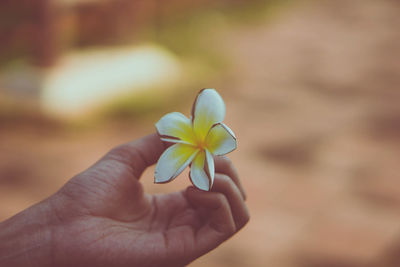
(138,154)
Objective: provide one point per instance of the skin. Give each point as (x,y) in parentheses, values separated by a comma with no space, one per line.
(103,217)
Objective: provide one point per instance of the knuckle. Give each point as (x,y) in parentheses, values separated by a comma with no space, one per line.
(242,223)
(245,219)
(121,151)
(242,220)
(231,229)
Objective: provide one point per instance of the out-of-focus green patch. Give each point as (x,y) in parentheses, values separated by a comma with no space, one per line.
(192,33)
(192,37)
(257,11)
(149,104)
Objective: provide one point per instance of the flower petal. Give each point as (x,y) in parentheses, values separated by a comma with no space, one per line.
(202,170)
(221,140)
(175,126)
(210,168)
(208,109)
(173,161)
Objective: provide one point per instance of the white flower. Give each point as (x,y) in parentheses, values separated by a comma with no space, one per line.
(195,140)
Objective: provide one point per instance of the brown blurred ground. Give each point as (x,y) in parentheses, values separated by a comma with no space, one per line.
(313,97)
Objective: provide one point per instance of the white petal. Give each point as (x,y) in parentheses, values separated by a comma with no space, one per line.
(209,168)
(221,140)
(173,161)
(202,170)
(208,109)
(175,126)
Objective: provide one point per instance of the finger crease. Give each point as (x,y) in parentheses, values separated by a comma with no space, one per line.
(155,211)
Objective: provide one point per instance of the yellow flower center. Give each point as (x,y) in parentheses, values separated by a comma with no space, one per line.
(201,143)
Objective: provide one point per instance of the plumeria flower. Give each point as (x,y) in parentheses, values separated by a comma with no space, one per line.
(195,141)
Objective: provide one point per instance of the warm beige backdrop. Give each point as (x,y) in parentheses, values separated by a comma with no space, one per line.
(313,95)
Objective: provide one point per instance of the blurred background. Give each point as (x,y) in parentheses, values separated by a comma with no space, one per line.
(312,90)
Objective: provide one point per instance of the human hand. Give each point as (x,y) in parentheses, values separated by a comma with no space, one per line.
(102,217)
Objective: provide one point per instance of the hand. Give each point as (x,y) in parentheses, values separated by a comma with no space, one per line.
(102,217)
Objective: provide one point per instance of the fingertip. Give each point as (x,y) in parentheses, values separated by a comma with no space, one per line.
(196,194)
(189,190)
(244,219)
(244,194)
(191,195)
(225,166)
